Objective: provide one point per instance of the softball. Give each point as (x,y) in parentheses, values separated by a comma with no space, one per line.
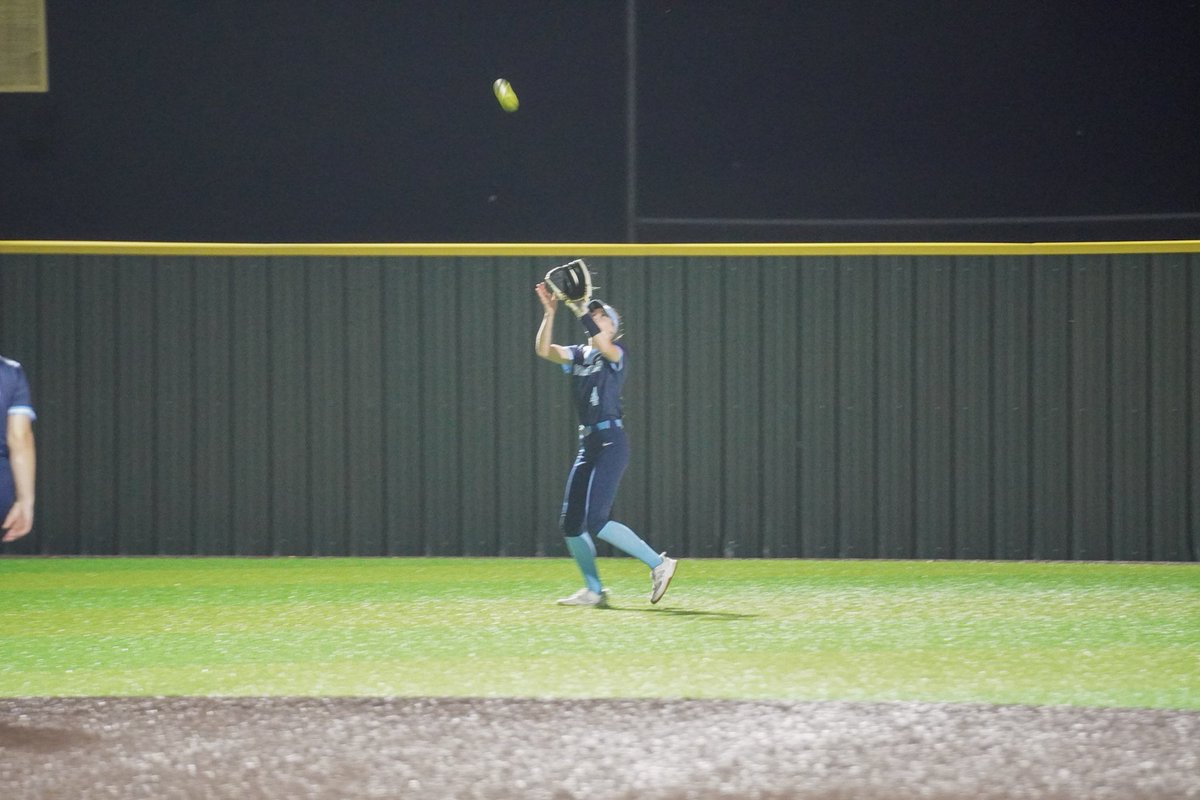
(505,95)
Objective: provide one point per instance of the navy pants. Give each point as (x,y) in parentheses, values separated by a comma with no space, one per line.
(8,491)
(592,484)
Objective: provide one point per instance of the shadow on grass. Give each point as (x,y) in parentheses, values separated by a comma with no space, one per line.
(725,616)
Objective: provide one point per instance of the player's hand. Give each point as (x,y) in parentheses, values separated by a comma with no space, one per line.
(18,522)
(549,301)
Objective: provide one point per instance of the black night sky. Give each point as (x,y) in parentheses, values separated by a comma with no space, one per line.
(374,121)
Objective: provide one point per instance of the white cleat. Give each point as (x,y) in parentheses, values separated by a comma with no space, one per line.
(586,597)
(661,577)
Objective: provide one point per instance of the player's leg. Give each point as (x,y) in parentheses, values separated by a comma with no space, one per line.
(606,478)
(611,460)
(579,543)
(583,549)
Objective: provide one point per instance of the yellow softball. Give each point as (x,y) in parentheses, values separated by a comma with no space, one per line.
(505,95)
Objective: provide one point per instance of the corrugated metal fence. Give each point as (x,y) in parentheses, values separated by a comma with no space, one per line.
(979,406)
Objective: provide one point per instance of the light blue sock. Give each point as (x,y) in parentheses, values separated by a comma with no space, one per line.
(624,539)
(584,550)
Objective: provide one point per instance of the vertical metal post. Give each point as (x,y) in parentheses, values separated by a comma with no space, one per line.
(631,120)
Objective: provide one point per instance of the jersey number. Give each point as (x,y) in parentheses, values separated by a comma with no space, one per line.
(595,398)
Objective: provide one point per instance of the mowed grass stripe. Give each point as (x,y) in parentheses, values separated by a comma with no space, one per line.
(1010,632)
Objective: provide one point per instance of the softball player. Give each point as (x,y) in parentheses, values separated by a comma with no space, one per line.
(17,454)
(597,372)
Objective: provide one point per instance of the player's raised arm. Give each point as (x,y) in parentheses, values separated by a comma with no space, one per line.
(542,345)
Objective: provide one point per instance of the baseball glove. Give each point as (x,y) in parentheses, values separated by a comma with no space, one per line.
(571,283)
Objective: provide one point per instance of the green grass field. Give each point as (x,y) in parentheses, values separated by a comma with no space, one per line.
(997,632)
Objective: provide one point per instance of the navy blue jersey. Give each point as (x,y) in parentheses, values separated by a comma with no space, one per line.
(14,396)
(596,383)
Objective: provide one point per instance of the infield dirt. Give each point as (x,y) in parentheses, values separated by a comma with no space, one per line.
(295,747)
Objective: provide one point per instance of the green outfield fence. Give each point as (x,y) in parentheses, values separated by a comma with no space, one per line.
(896,401)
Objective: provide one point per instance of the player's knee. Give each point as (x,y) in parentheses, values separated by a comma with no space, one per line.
(595,524)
